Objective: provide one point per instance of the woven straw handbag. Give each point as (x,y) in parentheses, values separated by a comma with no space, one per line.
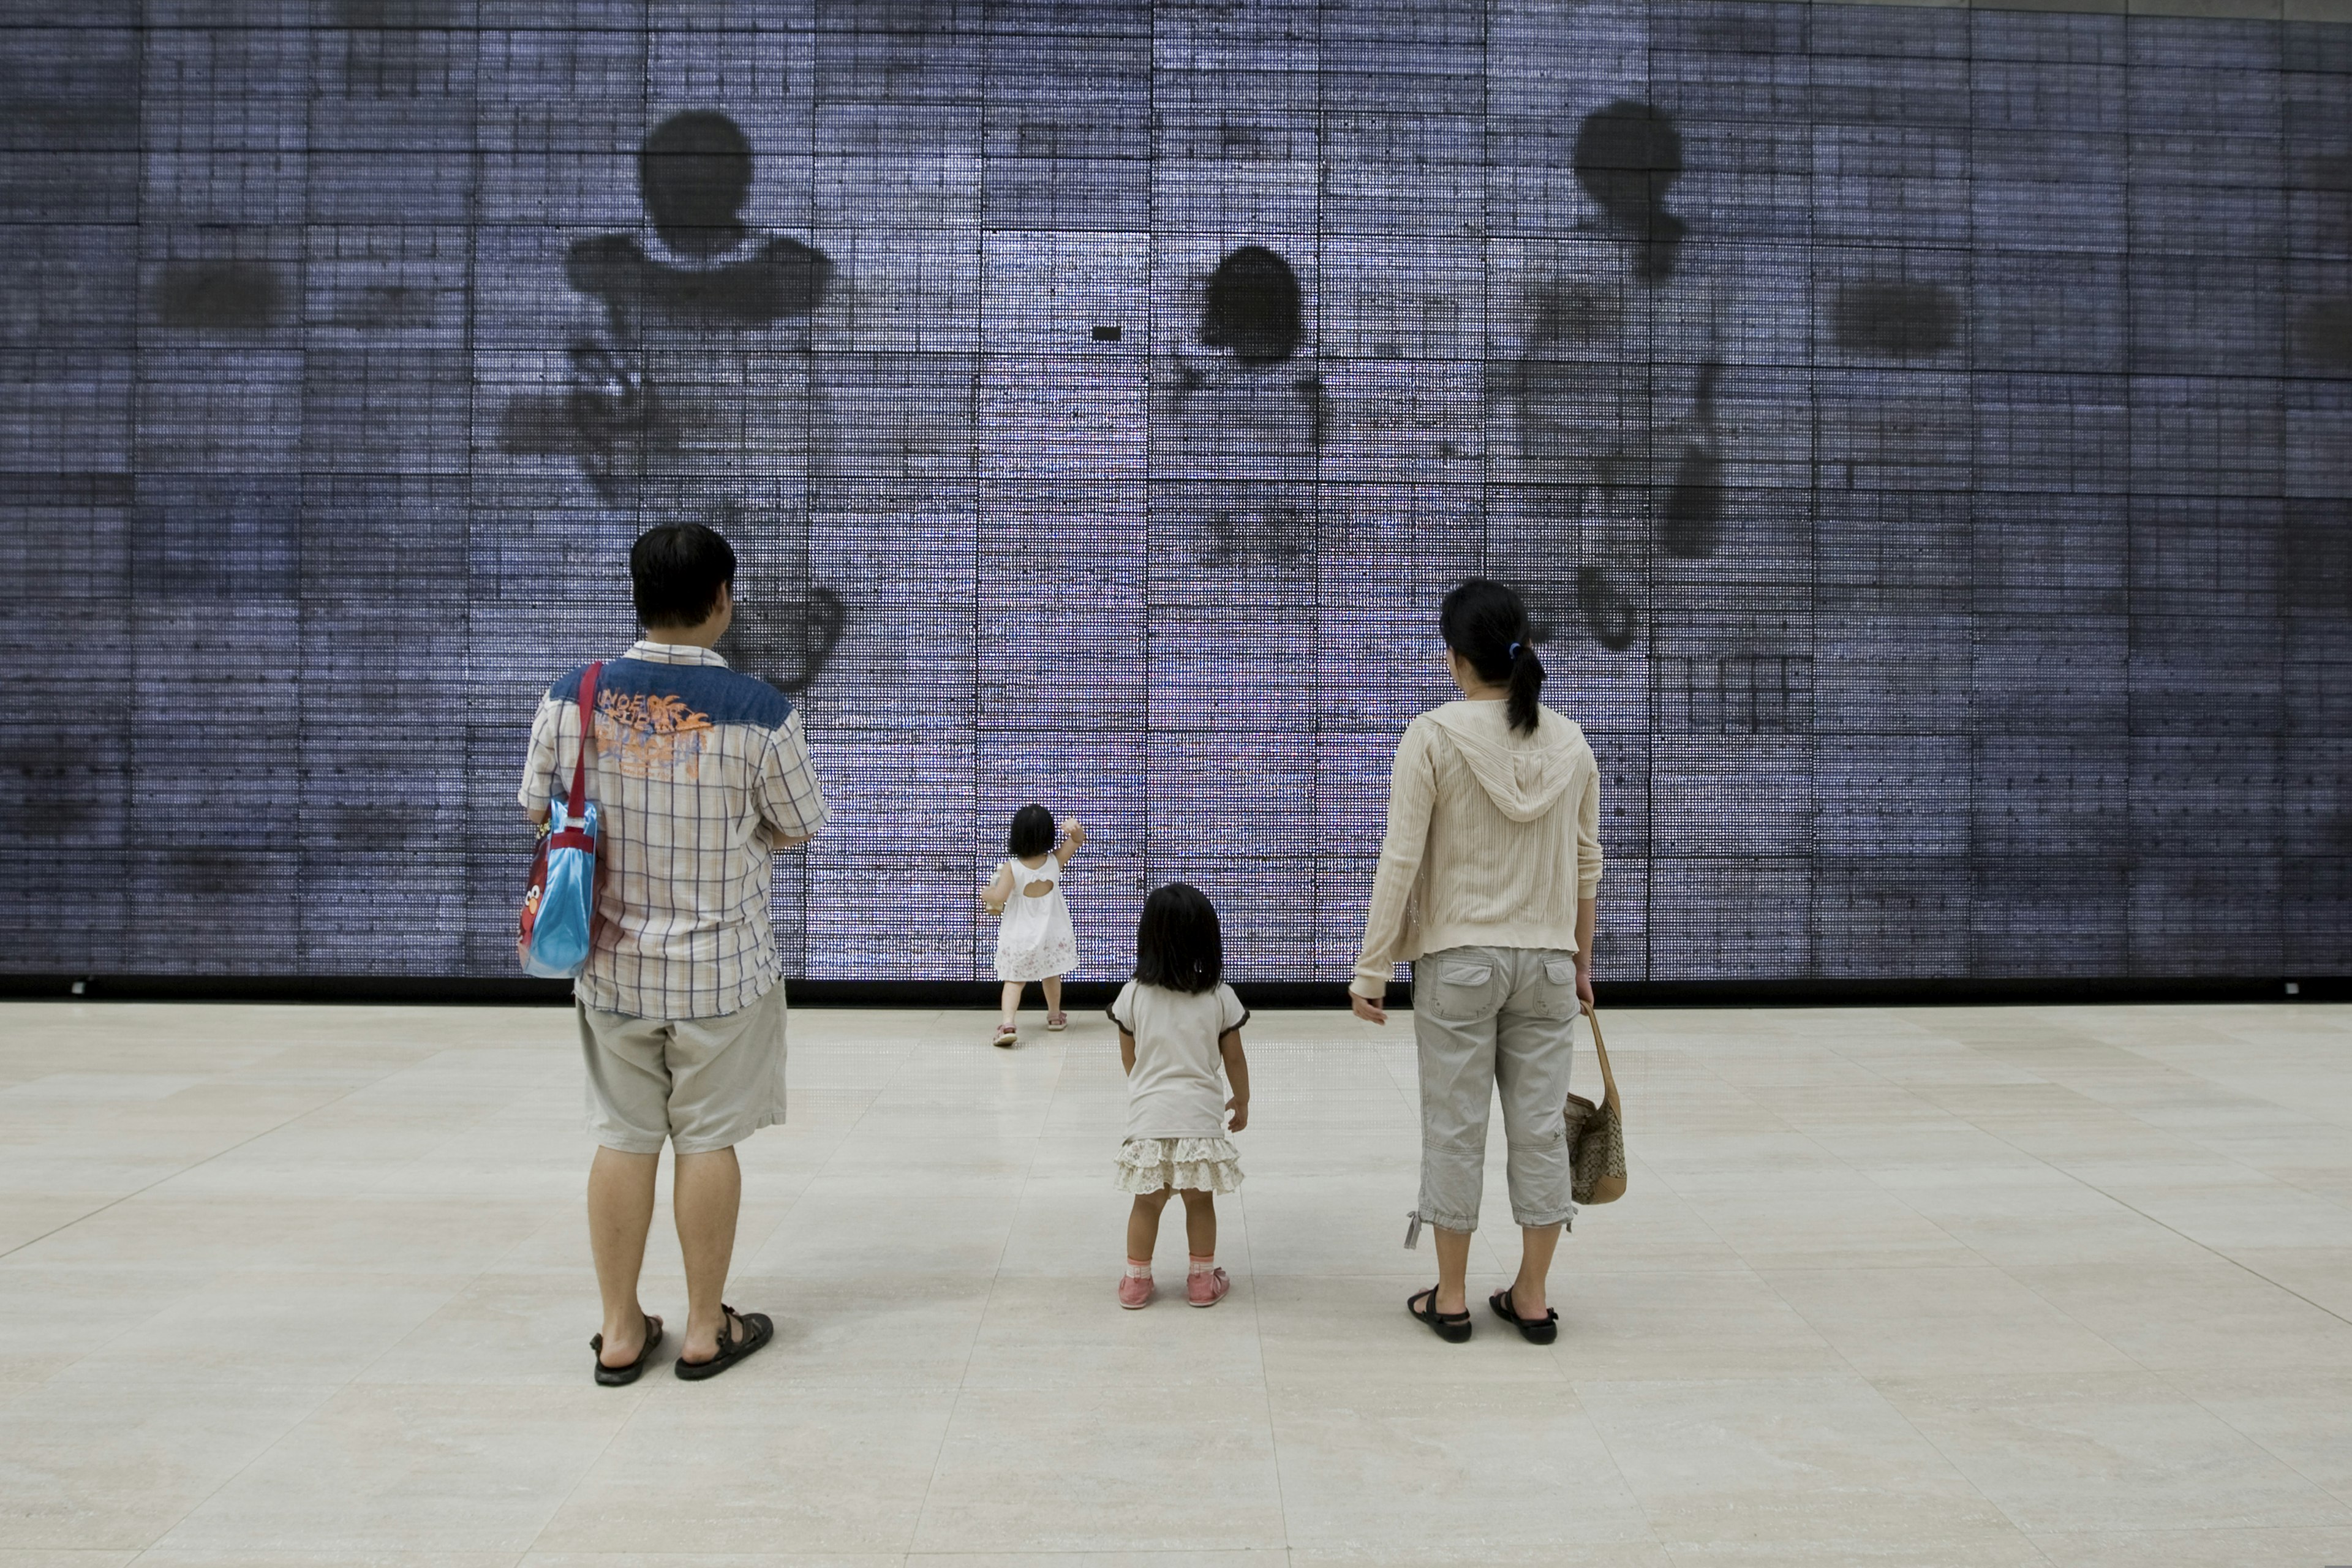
(1596,1134)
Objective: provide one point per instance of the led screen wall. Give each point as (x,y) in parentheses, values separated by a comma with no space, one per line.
(1923,433)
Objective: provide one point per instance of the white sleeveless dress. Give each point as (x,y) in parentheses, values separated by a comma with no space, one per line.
(1035,940)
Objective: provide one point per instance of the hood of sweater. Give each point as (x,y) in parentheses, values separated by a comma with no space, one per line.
(1523,774)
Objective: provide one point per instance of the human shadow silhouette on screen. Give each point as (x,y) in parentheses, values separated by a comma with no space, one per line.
(693,395)
(1615,391)
(1244,413)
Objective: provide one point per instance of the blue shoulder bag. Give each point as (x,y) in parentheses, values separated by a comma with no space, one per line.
(559,907)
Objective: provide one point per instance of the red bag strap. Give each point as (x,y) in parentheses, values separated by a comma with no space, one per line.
(577,802)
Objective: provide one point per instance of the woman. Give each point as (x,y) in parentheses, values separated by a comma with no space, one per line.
(1486,881)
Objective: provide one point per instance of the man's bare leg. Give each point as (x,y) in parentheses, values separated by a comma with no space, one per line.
(620,1212)
(710,1193)
(1453,1270)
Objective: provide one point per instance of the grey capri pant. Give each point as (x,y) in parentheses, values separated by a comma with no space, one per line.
(1489,1018)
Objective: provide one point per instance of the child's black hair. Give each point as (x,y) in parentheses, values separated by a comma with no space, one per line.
(1032,832)
(1486,623)
(1178,944)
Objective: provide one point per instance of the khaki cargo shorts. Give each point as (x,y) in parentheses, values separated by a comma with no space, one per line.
(702,1084)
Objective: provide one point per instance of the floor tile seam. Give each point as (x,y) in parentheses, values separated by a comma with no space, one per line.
(471,1280)
(1394,1064)
(1616,1465)
(2218,1154)
(395,1169)
(972,1346)
(848,1130)
(2131,1207)
(1979,1254)
(156,1544)
(2181,1531)
(1898,1411)
(1948,1114)
(2016,1525)
(1855,1372)
(2342,1203)
(1828,1153)
(2011,1272)
(1707,1555)
(2218,1086)
(2093,1187)
(2343,1496)
(642,1400)
(175,1175)
(1265,1383)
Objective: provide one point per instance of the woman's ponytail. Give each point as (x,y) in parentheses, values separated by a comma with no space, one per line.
(1486,623)
(1526,688)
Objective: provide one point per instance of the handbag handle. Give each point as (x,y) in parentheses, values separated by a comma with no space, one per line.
(1600,1047)
(587,694)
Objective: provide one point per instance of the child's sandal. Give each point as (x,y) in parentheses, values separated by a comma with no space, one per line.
(1007,1036)
(1057,1021)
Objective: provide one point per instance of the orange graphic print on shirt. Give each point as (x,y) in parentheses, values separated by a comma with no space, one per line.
(651,735)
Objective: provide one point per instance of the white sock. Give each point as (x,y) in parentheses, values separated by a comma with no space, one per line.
(1139,1270)
(1203,1265)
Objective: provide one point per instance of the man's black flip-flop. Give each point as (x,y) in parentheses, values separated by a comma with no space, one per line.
(615,1376)
(756,1331)
(1452,1327)
(1534,1331)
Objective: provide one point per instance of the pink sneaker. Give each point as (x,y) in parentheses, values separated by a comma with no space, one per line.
(1134,1293)
(1207,1289)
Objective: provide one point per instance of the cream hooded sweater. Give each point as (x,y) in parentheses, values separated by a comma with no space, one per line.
(1493,838)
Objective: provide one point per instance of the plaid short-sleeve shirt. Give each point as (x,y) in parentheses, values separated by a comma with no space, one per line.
(698,772)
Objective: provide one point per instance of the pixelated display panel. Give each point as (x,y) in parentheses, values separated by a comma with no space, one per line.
(1923,434)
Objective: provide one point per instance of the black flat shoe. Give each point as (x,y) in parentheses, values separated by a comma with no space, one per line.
(1534,1331)
(1452,1327)
(753,1330)
(615,1376)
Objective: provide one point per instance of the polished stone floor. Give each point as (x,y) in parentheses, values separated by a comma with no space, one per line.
(1939,1287)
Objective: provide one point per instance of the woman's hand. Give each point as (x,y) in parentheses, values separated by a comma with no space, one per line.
(1368,1008)
(1584,983)
(1240,1109)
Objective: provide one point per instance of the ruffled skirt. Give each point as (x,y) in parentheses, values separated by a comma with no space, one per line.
(1056,956)
(1198,1164)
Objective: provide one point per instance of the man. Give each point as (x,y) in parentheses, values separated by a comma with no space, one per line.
(700,775)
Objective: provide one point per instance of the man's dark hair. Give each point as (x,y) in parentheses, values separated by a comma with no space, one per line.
(677,569)
(1032,832)
(1178,944)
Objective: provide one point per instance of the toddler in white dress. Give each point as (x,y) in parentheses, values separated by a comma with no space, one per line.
(1178,1024)
(1034,937)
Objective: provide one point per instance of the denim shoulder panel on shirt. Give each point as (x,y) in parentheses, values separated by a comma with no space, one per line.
(719,696)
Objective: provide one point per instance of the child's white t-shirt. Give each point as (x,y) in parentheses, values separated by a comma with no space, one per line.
(1177,1087)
